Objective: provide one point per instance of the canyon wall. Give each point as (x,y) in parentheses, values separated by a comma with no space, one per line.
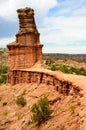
(44,77)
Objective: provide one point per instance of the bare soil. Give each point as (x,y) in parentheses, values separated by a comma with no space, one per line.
(69,111)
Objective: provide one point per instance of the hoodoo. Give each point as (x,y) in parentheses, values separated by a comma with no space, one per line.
(26,51)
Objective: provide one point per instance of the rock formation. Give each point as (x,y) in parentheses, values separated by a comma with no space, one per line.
(26,51)
(66,92)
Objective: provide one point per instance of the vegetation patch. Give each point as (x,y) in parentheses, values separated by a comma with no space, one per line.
(21,101)
(72,107)
(68,69)
(62,128)
(24,92)
(41,110)
(5,113)
(4,103)
(3,74)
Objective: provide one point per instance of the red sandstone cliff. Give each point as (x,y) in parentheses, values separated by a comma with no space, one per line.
(69,109)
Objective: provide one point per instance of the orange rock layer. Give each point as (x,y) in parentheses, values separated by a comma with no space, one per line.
(26,51)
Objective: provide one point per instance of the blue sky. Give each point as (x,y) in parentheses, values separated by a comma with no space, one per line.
(61,23)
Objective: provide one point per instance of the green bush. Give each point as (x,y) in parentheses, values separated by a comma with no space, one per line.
(41,110)
(5,113)
(68,69)
(21,101)
(24,92)
(53,68)
(72,108)
(3,74)
(3,78)
(3,69)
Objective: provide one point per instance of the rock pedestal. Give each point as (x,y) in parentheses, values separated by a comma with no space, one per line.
(26,51)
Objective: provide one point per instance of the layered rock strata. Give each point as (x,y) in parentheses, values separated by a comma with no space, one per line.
(26,51)
(43,76)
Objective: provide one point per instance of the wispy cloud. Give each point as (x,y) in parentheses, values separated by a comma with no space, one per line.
(62,23)
(5,41)
(63,30)
(66,49)
(9,7)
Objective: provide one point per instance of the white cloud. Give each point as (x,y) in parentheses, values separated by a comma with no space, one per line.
(61,30)
(5,41)
(58,49)
(42,6)
(79,11)
(66,26)
(8,7)
(71,8)
(66,49)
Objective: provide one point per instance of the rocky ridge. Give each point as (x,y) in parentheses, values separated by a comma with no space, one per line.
(68,110)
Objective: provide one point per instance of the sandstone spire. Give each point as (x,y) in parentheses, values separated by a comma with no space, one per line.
(26,51)
(26,21)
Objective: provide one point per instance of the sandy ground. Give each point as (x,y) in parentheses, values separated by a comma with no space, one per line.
(69,111)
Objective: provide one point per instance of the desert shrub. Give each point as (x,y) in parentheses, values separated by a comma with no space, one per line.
(4,103)
(24,92)
(21,101)
(3,69)
(62,128)
(53,68)
(68,69)
(80,71)
(5,113)
(41,110)
(64,69)
(3,78)
(3,74)
(72,108)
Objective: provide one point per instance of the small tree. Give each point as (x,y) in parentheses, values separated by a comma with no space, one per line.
(41,110)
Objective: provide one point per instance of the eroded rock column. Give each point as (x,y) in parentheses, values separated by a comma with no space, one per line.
(26,51)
